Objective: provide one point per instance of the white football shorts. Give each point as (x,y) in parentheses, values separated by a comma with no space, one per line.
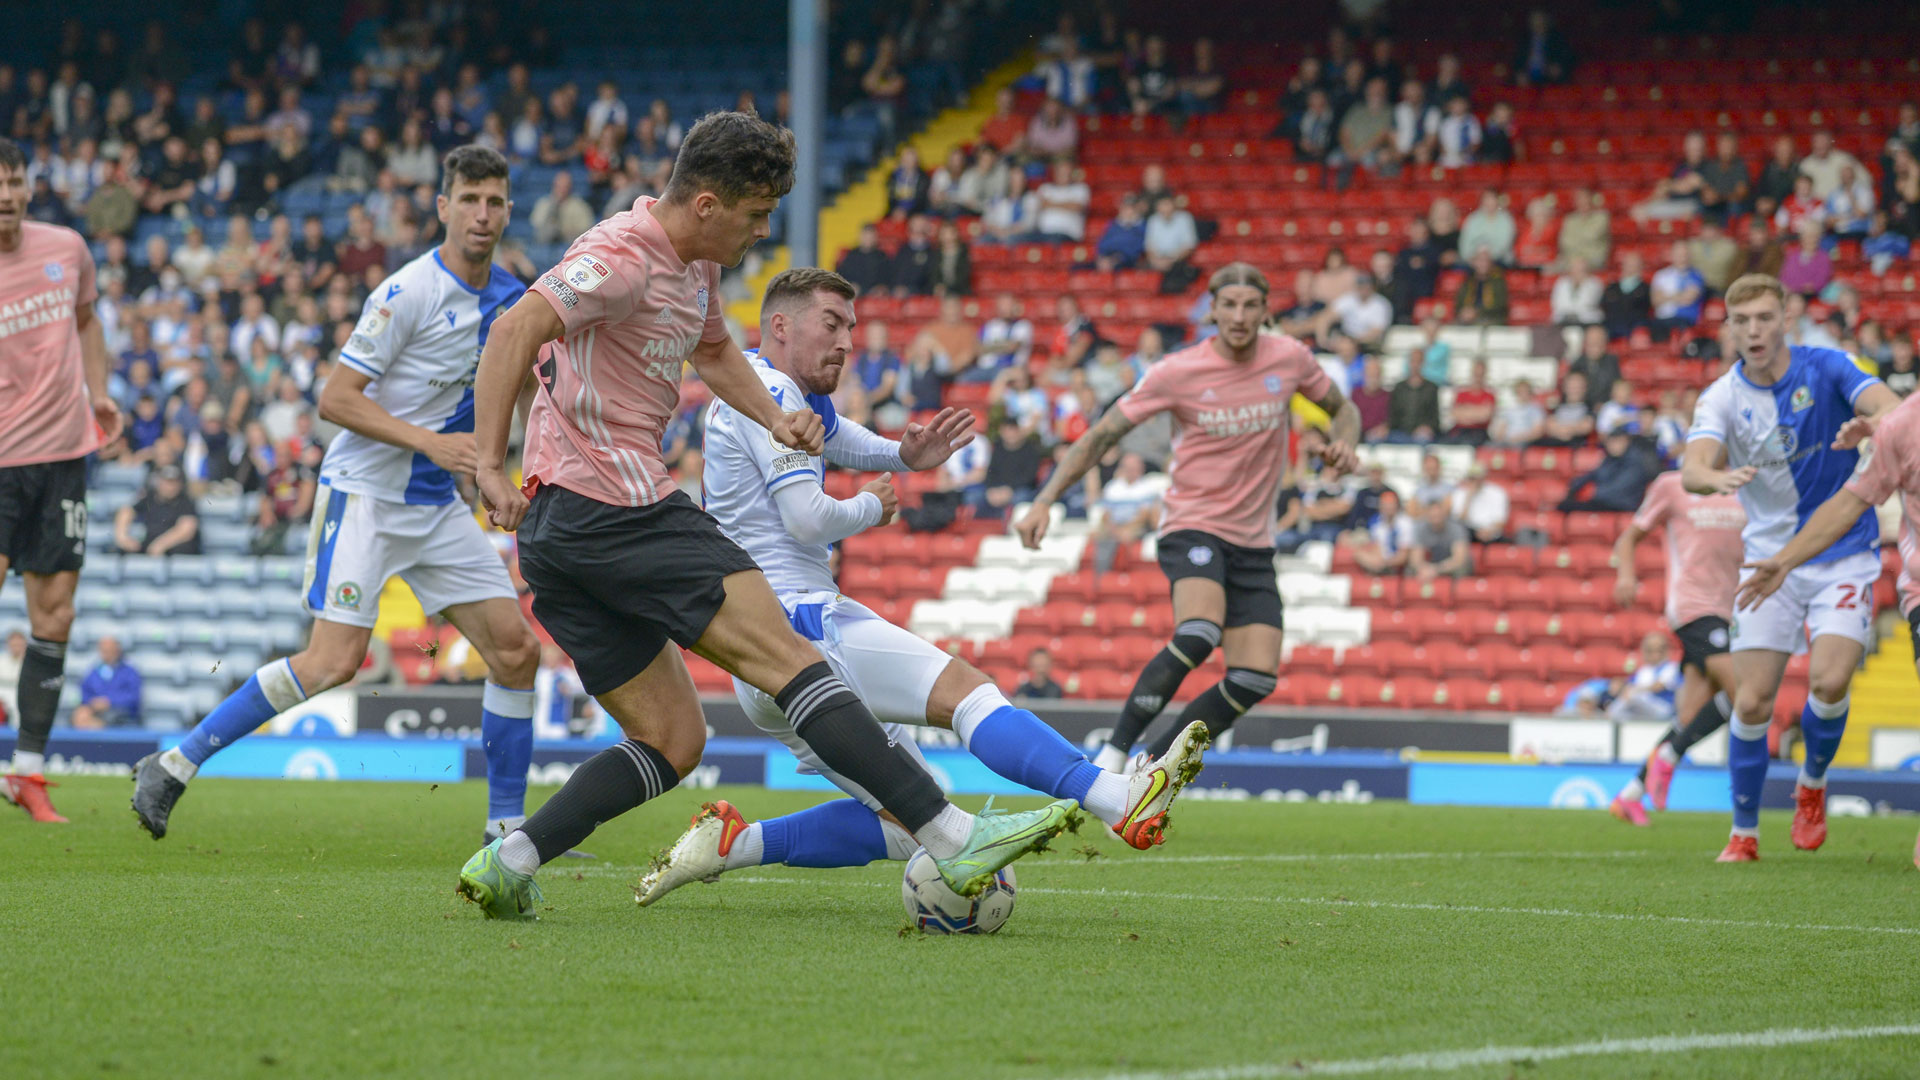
(1817,599)
(357,542)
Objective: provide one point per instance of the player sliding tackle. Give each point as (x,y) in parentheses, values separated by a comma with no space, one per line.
(388,506)
(770,500)
(1894,466)
(1230,398)
(1772,430)
(623,565)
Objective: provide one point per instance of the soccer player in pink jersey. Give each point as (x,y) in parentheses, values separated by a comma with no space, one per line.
(1703,569)
(54,411)
(1894,466)
(1230,397)
(622,562)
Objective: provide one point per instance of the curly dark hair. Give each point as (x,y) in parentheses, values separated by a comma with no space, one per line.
(12,158)
(471,163)
(735,155)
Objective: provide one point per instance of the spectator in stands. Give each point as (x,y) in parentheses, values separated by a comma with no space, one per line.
(1849,205)
(1435,354)
(287,503)
(1725,185)
(1063,202)
(1473,409)
(1413,410)
(1596,363)
(983,180)
(907,185)
(1592,697)
(1373,400)
(1013,472)
(1014,397)
(1327,504)
(359,251)
(944,183)
(1128,509)
(957,339)
(1010,218)
(1544,58)
(1715,254)
(1499,139)
(1416,270)
(1441,546)
(1433,486)
(115,206)
(1617,484)
(1800,207)
(1290,520)
(1363,314)
(878,367)
(866,265)
(1537,245)
(1482,297)
(1313,129)
(1903,196)
(1460,134)
(1170,235)
(1901,372)
(911,269)
(1576,296)
(923,380)
(1204,87)
(1388,540)
(1054,132)
(1678,293)
(1571,421)
(164,515)
(1416,125)
(1366,135)
(1521,423)
(1627,303)
(1154,86)
(1037,684)
(1619,413)
(560,215)
(951,271)
(1882,248)
(1825,163)
(1776,177)
(1807,268)
(1007,338)
(1489,227)
(1649,692)
(1124,241)
(111,691)
(1586,232)
(1443,228)
(1069,76)
(1482,506)
(172,181)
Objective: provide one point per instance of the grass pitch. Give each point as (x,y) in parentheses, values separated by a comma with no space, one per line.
(311,929)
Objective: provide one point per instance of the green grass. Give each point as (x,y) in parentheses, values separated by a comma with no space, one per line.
(310,929)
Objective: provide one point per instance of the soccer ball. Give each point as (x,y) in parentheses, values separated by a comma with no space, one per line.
(937,909)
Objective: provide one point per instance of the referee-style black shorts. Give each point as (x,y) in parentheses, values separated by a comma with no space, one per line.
(614,584)
(1247,574)
(43,516)
(1701,639)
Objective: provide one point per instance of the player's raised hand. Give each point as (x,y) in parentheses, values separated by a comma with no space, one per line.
(882,487)
(1767,577)
(1032,526)
(504,503)
(1854,432)
(923,446)
(454,451)
(1732,480)
(107,414)
(1341,458)
(801,430)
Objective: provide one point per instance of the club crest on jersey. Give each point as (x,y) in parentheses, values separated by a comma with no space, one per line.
(55,271)
(1273,384)
(347,596)
(1802,399)
(587,273)
(700,300)
(375,322)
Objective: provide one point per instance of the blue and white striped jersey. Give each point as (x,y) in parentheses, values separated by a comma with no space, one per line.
(419,340)
(1785,431)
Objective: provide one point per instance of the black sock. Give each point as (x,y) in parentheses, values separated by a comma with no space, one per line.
(1711,718)
(1220,706)
(43,672)
(840,729)
(1193,641)
(606,785)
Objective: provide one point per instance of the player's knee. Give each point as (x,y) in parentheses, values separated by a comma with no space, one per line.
(324,670)
(1752,708)
(1829,686)
(682,746)
(51,621)
(1194,640)
(515,660)
(1247,687)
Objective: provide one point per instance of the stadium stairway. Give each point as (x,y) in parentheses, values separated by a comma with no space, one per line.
(1883,694)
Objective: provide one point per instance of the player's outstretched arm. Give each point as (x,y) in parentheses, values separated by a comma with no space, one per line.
(1083,455)
(725,370)
(1828,524)
(512,347)
(1343,449)
(811,516)
(1701,472)
(345,402)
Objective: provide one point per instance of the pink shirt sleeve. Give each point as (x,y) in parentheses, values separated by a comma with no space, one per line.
(1314,382)
(89,289)
(589,288)
(1655,508)
(1152,394)
(716,325)
(1881,478)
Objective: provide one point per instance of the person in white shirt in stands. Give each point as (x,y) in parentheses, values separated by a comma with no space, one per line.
(1128,508)
(1522,422)
(1389,540)
(1063,207)
(1651,689)
(1416,124)
(1460,134)
(1171,235)
(1481,506)
(1619,413)
(1576,296)
(1006,340)
(1363,314)
(1011,215)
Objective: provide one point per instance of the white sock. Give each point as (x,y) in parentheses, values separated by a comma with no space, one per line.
(1754,832)
(1111,758)
(1665,753)
(1634,791)
(26,764)
(176,763)
(983,702)
(1107,798)
(518,854)
(1809,782)
(947,833)
(748,848)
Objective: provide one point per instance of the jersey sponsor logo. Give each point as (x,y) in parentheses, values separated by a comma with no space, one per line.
(347,596)
(669,349)
(55,271)
(587,273)
(1802,399)
(1781,442)
(700,300)
(375,322)
(1243,419)
(40,309)
(567,297)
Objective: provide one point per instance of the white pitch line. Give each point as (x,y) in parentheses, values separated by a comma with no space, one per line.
(1349,856)
(1448,1060)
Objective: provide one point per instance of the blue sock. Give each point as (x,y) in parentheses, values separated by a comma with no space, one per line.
(506,733)
(1021,747)
(838,833)
(1822,725)
(1747,762)
(266,694)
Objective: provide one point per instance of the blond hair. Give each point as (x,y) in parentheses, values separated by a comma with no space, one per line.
(1753,287)
(1238,273)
